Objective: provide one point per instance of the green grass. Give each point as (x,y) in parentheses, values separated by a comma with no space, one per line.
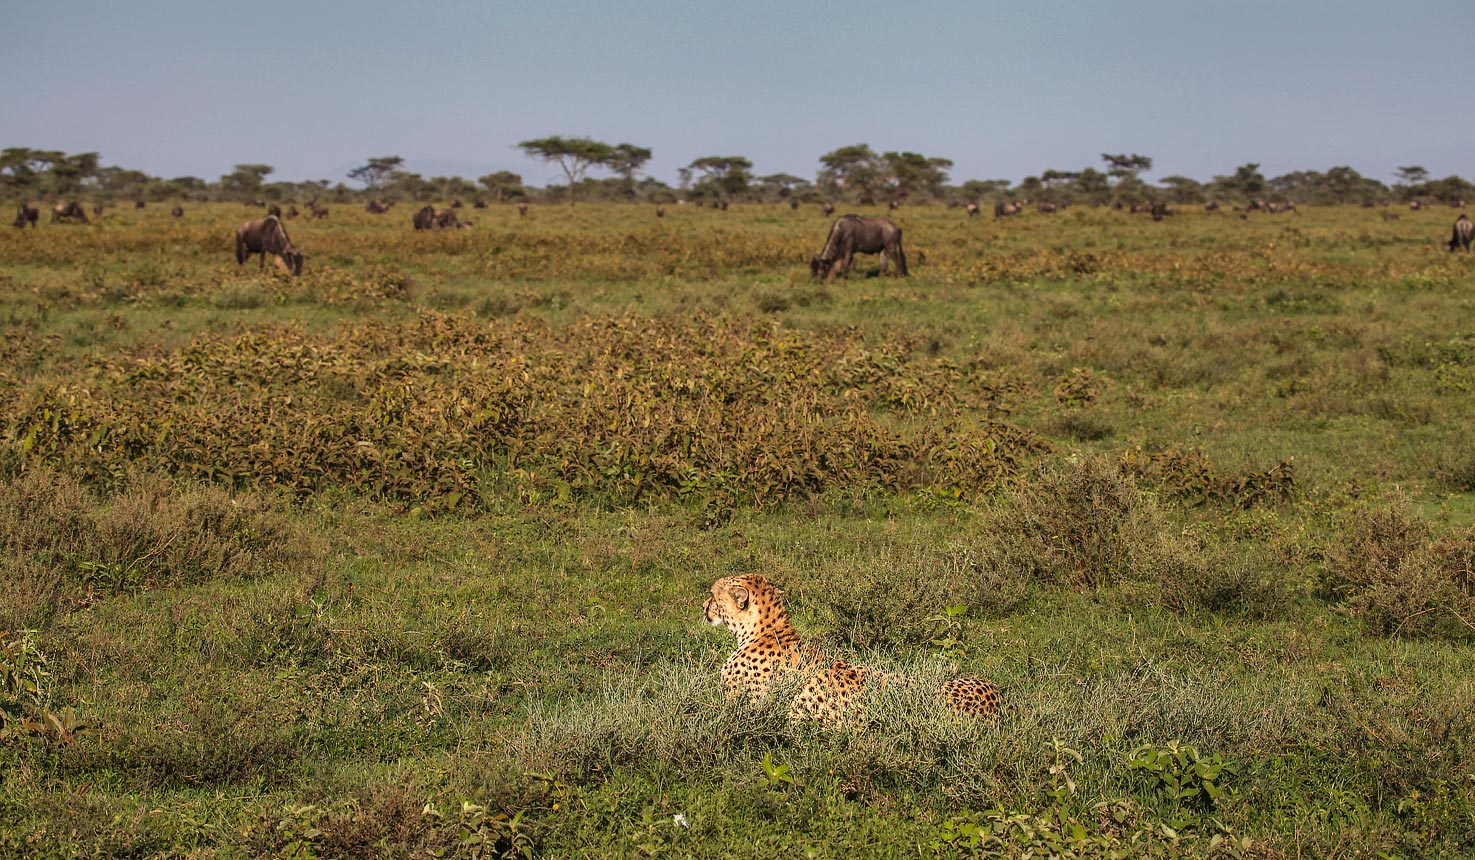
(1204,486)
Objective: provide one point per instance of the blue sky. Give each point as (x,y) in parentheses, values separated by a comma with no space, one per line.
(1004,89)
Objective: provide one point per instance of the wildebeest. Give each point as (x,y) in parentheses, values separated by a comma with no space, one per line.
(894,205)
(177,212)
(1415,206)
(1211,206)
(972,209)
(851,235)
(1463,235)
(660,211)
(1047,208)
(522,209)
(97,210)
(259,204)
(68,212)
(1159,209)
(828,208)
(793,205)
(291,212)
(431,218)
(24,214)
(1004,210)
(478,203)
(378,207)
(268,236)
(455,204)
(139,204)
(321,211)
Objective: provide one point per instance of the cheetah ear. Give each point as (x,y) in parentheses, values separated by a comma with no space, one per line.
(739,596)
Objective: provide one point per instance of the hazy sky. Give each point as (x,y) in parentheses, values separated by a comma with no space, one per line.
(1004,89)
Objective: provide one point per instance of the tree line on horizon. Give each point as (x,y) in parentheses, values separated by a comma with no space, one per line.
(850,174)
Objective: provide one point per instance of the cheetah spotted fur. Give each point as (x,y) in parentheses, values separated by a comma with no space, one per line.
(752,609)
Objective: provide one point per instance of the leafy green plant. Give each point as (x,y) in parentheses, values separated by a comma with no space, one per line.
(1184,783)
(774,776)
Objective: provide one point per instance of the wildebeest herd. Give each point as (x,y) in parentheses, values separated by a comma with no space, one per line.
(849,234)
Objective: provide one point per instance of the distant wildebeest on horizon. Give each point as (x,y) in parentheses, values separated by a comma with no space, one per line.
(853,234)
(660,211)
(1160,209)
(259,204)
(267,236)
(828,208)
(522,210)
(972,209)
(1211,206)
(26,214)
(894,205)
(793,205)
(97,210)
(1047,208)
(69,212)
(177,211)
(318,211)
(377,207)
(478,203)
(291,212)
(455,204)
(274,209)
(1005,210)
(1464,233)
(1415,206)
(139,204)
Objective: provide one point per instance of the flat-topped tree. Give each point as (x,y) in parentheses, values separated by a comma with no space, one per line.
(574,154)
(378,173)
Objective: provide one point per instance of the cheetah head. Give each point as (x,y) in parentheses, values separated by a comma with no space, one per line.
(744,604)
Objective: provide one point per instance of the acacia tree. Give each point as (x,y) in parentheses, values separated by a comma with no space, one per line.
(246,178)
(728,175)
(856,168)
(908,173)
(624,160)
(575,155)
(378,173)
(503,184)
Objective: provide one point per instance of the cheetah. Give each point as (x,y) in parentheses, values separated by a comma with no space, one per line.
(752,609)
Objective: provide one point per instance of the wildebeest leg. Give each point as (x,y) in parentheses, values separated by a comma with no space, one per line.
(885,260)
(901,261)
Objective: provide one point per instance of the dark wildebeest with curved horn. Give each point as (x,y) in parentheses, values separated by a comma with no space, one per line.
(267,236)
(68,212)
(1464,234)
(24,214)
(177,212)
(377,207)
(851,235)
(431,218)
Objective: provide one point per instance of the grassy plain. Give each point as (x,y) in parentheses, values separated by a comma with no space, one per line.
(405,557)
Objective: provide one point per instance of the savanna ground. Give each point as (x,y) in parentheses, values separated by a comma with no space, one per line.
(405,557)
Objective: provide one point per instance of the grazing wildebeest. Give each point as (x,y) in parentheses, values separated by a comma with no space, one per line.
(522,210)
(268,236)
(1393,216)
(1211,206)
(68,212)
(478,203)
(319,211)
(1415,206)
(1004,210)
(894,205)
(274,209)
(851,235)
(139,204)
(431,218)
(455,204)
(177,212)
(378,207)
(660,211)
(1047,208)
(1159,209)
(24,214)
(794,205)
(1463,235)
(972,209)
(97,210)
(259,204)
(828,208)
(291,212)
